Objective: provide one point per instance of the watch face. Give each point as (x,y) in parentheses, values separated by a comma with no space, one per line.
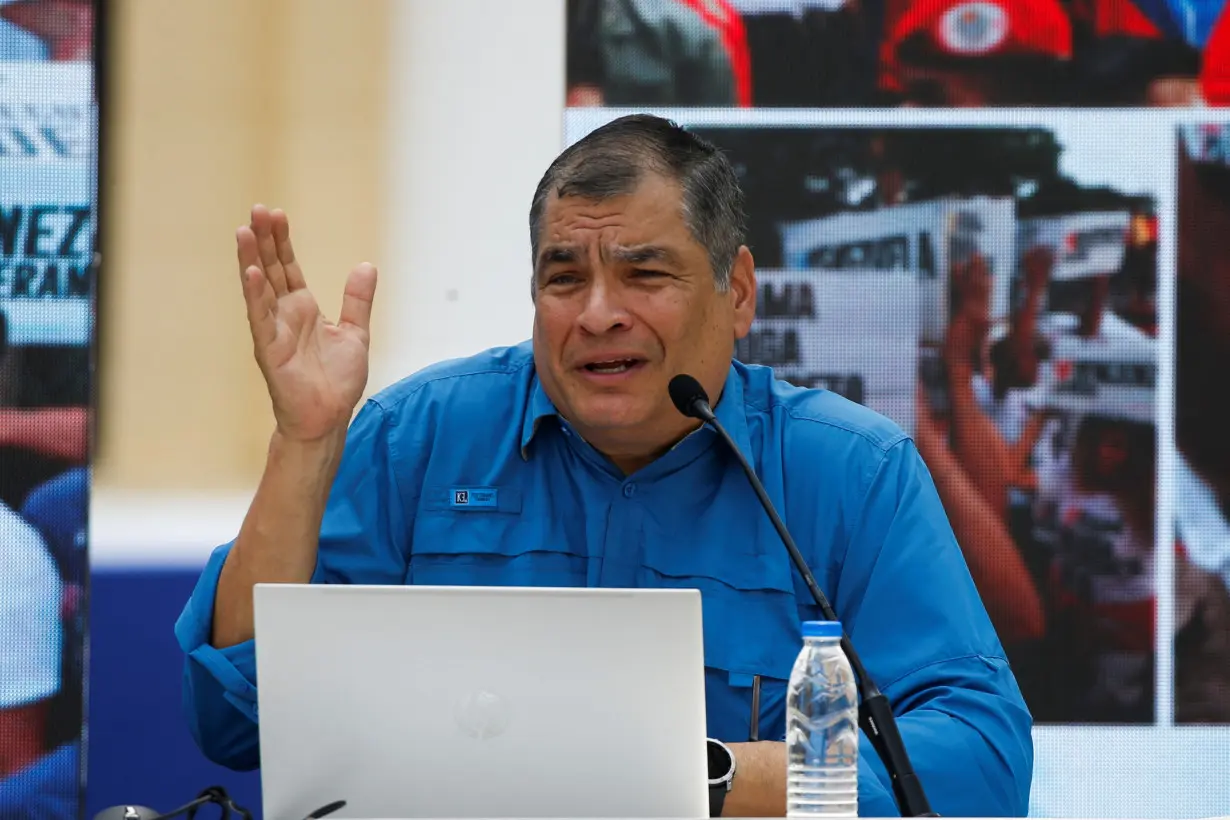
(719,761)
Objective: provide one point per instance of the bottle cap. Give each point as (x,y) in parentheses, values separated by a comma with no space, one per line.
(822,629)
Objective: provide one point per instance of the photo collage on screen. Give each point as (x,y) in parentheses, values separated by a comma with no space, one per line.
(48,173)
(959,212)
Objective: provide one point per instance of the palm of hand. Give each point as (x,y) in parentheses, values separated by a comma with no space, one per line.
(315,369)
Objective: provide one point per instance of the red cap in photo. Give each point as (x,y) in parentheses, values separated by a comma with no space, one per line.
(983,28)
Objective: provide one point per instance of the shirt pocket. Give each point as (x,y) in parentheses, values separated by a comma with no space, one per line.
(496,545)
(751,629)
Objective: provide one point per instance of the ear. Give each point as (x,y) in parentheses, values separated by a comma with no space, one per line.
(743,291)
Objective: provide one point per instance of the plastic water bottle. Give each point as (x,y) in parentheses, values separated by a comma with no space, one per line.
(822,728)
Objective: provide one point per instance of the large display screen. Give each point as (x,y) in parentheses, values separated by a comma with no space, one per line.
(48,231)
(1038,293)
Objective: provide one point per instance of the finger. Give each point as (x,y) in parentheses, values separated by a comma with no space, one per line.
(358,296)
(262,307)
(245,249)
(262,226)
(286,251)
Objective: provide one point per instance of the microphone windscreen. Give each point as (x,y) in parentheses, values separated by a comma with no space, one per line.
(685,392)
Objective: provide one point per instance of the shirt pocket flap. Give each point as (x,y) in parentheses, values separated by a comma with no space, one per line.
(444,527)
(737,569)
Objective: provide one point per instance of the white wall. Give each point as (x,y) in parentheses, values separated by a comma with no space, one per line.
(476,115)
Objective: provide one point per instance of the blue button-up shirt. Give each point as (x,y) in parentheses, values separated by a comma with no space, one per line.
(544,508)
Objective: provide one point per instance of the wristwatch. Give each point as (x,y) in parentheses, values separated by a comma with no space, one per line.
(721,774)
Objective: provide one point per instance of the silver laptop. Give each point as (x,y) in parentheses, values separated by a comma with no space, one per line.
(410,701)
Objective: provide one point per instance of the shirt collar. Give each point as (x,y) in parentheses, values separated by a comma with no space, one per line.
(538,407)
(729,411)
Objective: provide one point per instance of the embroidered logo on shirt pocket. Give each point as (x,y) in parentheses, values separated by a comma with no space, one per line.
(463,498)
(475,498)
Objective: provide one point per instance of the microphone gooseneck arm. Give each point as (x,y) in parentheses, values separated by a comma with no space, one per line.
(875,713)
(214,794)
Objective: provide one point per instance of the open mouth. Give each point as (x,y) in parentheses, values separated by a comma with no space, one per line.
(613,366)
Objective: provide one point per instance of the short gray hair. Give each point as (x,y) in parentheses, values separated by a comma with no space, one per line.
(613,159)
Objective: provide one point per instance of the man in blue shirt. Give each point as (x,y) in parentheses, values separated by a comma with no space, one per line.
(595,479)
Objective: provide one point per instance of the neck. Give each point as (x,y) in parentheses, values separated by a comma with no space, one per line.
(631,451)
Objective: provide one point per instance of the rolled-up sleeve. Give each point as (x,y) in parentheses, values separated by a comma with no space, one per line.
(364,539)
(916,619)
(219,687)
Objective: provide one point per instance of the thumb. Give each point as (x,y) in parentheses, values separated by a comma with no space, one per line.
(358,296)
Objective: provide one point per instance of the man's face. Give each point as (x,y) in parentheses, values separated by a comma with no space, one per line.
(626,300)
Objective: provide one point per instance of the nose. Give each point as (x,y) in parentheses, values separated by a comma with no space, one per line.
(603,311)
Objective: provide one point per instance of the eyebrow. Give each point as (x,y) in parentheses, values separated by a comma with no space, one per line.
(556,254)
(640,254)
(628,254)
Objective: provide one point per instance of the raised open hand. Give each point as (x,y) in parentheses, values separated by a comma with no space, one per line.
(315,369)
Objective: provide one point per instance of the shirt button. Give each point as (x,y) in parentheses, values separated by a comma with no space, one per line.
(629,490)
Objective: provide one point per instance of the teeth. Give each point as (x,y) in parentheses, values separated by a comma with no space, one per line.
(610,367)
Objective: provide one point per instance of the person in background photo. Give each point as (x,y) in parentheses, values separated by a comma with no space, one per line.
(47,30)
(1201,477)
(54,512)
(1094,591)
(1101,588)
(974,472)
(656,53)
(993,431)
(39,777)
(977,53)
(1014,361)
(1089,53)
(58,506)
(59,510)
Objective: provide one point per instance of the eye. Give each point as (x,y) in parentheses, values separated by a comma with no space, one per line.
(562,279)
(643,273)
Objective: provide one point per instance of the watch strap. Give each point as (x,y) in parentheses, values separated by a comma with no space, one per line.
(717,797)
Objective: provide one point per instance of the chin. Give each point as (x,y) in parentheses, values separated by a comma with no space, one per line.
(610,412)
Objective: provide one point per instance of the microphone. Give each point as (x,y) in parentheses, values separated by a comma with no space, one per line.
(875,714)
(214,794)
